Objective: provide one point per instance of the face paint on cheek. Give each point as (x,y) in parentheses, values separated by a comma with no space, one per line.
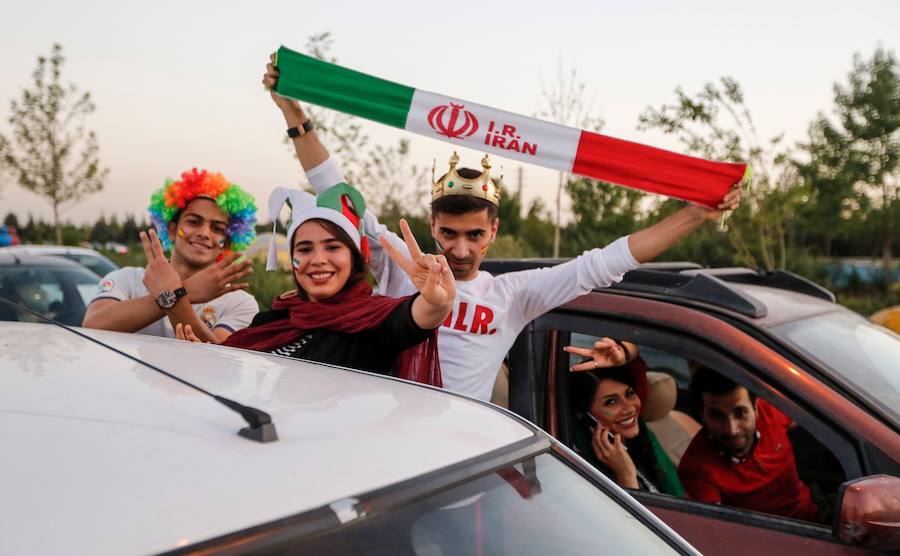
(607,413)
(440,248)
(485,248)
(221,243)
(295,263)
(181,232)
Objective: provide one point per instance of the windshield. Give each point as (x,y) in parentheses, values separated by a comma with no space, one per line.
(865,355)
(538,506)
(101,266)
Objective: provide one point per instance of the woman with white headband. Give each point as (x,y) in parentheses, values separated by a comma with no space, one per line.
(332,315)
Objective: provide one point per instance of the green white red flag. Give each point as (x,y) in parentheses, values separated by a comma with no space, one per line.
(506,134)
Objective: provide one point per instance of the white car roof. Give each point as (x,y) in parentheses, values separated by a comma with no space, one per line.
(49,249)
(103,455)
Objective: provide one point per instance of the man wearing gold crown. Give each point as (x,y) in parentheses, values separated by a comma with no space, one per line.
(489,312)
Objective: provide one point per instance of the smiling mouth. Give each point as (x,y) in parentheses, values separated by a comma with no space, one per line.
(320,277)
(627,422)
(200,245)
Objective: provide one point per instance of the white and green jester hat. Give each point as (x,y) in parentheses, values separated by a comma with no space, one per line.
(341,204)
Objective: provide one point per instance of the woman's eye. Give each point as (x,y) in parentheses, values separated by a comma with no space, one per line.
(610,402)
(303,251)
(333,247)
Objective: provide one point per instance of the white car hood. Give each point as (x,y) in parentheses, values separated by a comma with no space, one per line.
(104,456)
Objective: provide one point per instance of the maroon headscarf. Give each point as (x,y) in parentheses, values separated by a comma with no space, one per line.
(350,311)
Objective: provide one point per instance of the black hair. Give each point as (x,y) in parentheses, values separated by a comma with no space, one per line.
(582,390)
(464,204)
(706,380)
(359,269)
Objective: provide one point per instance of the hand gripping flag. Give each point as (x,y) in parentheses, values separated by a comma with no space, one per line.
(487,129)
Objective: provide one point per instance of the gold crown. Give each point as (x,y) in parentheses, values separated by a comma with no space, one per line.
(482,187)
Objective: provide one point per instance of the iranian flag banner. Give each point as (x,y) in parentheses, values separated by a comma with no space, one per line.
(506,134)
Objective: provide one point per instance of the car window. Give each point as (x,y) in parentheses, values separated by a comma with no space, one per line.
(60,293)
(96,264)
(539,506)
(857,351)
(673,422)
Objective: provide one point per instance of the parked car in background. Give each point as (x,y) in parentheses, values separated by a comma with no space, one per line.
(88,258)
(108,456)
(54,287)
(8,236)
(836,375)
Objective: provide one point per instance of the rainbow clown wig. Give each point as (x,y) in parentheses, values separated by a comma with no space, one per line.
(237,204)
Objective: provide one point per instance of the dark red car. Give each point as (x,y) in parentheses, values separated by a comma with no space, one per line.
(783,337)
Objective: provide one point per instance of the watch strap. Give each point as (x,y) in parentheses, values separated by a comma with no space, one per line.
(295,131)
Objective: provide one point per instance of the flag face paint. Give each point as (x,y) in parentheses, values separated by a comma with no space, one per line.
(180,232)
(295,263)
(468,124)
(487,129)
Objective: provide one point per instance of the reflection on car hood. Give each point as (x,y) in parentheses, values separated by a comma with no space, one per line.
(102,455)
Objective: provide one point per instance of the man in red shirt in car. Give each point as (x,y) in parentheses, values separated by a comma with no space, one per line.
(742,456)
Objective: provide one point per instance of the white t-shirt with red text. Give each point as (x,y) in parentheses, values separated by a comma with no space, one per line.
(489,311)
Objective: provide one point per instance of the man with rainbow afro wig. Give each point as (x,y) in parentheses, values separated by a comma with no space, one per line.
(205,222)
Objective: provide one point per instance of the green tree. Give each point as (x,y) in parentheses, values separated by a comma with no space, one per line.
(716,124)
(854,161)
(11,220)
(602,211)
(49,151)
(564,102)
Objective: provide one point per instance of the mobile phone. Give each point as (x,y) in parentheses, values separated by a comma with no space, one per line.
(592,424)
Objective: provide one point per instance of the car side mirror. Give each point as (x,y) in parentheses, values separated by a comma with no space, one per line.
(869,512)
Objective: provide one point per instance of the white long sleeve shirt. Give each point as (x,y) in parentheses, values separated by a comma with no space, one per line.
(489,311)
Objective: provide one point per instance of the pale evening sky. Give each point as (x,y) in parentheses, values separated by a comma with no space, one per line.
(177,83)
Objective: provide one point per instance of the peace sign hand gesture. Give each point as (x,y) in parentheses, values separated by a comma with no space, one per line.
(430,274)
(605,353)
(159,275)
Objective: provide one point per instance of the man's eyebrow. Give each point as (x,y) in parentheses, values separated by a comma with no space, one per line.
(214,220)
(451,230)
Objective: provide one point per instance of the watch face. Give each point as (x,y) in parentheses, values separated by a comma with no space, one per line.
(166,299)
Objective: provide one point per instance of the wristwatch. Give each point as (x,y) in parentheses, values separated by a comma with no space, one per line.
(168,298)
(307,126)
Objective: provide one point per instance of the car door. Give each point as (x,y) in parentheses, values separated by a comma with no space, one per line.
(711,528)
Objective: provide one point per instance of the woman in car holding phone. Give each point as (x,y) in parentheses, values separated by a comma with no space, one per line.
(609,432)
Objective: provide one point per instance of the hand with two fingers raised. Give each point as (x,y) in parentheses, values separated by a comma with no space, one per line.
(605,353)
(614,455)
(159,275)
(430,274)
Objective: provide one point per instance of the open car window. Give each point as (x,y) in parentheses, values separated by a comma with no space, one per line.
(675,360)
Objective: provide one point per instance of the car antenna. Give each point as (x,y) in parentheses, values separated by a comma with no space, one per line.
(261,428)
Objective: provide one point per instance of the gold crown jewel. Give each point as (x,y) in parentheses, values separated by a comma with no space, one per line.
(481,186)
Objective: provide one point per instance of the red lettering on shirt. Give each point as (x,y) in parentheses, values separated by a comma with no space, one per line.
(461,316)
(480,321)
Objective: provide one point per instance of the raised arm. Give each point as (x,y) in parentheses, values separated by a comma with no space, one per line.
(310,151)
(649,243)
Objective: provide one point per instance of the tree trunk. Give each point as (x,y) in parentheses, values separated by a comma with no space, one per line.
(56,222)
